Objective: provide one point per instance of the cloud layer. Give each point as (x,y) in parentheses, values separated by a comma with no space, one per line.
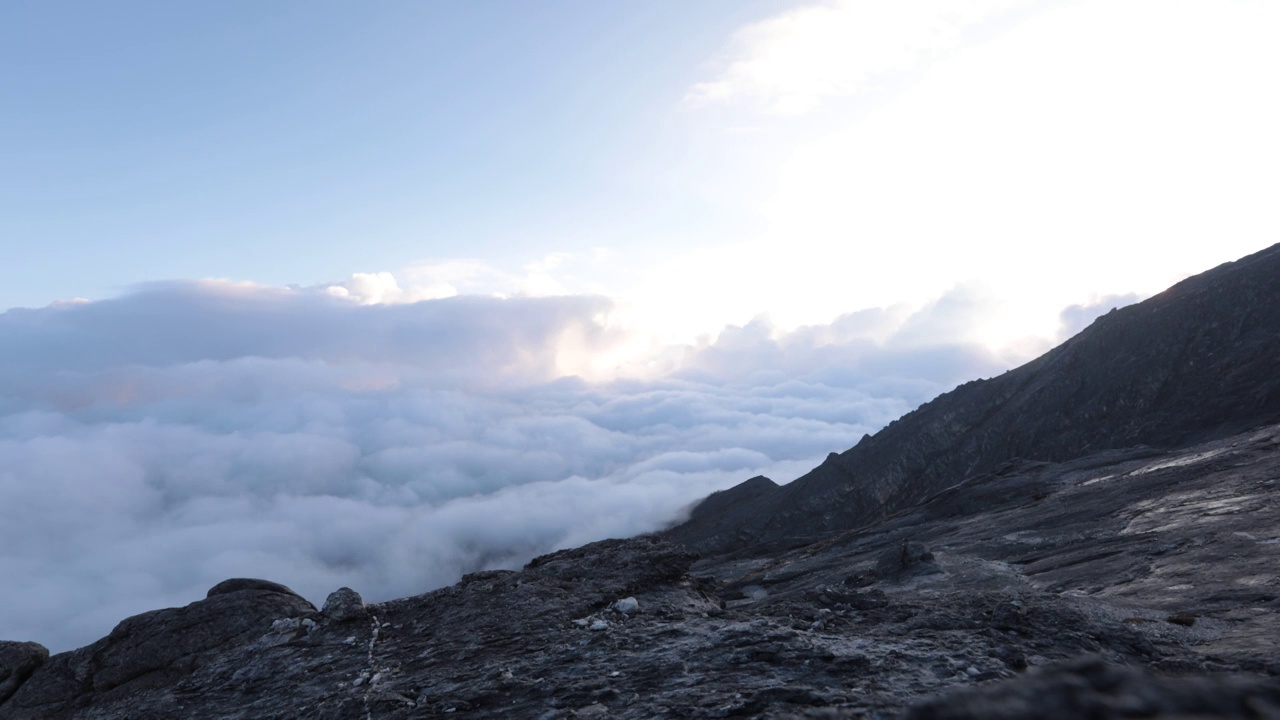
(154,444)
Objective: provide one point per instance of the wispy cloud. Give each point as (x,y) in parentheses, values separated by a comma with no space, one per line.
(794,62)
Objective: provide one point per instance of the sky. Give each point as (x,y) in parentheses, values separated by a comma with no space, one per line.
(379,294)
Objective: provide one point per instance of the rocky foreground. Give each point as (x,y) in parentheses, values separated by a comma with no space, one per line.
(1131,583)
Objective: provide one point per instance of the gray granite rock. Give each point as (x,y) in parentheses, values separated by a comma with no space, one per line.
(910,558)
(238,584)
(344,604)
(17,661)
(1092,688)
(153,651)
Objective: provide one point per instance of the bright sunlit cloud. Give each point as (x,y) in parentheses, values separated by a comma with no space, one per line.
(1074,152)
(792,63)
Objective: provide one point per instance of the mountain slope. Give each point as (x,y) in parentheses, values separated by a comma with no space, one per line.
(1195,362)
(1161,566)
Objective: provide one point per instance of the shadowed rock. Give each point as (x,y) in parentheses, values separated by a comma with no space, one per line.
(912,558)
(17,661)
(238,584)
(156,649)
(1092,688)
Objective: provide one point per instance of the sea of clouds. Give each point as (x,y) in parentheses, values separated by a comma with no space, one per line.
(157,443)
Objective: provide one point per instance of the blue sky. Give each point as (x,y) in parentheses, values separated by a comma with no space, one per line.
(296,142)
(377,294)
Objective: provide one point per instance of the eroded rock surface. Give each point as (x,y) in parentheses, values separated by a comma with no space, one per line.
(17,661)
(1091,688)
(154,652)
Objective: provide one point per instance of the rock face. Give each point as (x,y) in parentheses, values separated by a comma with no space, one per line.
(17,661)
(1193,363)
(153,651)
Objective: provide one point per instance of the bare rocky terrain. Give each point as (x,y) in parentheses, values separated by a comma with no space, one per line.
(1151,565)
(1093,535)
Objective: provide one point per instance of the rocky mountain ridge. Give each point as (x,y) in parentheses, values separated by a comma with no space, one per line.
(1193,363)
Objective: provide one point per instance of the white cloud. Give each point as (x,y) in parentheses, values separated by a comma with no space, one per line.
(794,62)
(155,444)
(558,273)
(1041,155)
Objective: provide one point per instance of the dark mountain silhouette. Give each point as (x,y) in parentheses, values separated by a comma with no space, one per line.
(1094,534)
(1198,361)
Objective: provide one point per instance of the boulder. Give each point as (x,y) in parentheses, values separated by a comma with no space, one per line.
(154,649)
(238,584)
(909,558)
(17,661)
(344,604)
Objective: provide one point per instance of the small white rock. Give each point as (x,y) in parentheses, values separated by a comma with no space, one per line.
(627,605)
(599,625)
